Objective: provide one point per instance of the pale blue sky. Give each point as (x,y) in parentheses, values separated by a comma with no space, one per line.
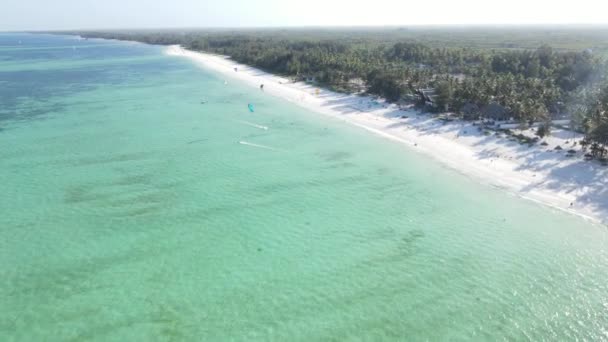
(78,14)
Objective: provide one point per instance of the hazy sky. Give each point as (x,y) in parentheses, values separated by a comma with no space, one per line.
(76,14)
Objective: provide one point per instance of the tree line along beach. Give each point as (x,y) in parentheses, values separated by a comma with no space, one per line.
(531,119)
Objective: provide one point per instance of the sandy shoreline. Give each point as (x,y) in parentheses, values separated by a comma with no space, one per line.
(537,173)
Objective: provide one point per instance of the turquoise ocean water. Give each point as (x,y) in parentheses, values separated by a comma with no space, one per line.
(129,211)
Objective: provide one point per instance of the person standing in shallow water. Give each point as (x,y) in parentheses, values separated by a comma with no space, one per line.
(262,87)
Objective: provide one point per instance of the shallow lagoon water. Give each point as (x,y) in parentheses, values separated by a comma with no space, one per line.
(130,210)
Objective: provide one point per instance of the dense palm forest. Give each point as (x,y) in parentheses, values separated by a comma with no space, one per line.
(528,75)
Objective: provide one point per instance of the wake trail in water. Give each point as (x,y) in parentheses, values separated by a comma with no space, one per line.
(196,141)
(253,125)
(260,146)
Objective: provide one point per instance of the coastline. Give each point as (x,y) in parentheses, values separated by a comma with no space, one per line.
(538,173)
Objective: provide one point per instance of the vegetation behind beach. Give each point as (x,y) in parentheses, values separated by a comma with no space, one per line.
(530,75)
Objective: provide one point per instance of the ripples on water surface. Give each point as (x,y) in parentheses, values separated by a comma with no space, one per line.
(129,211)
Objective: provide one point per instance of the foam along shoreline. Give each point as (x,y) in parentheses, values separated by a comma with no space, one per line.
(538,173)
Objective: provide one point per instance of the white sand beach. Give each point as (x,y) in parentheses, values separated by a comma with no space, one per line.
(538,173)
